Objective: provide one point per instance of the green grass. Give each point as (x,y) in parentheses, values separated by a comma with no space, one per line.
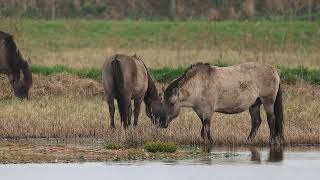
(65,34)
(166,75)
(291,76)
(159,146)
(113,146)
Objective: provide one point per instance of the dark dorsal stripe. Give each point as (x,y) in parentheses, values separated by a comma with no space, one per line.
(187,75)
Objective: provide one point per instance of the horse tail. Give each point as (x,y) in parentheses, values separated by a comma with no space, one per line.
(278,110)
(27,76)
(118,82)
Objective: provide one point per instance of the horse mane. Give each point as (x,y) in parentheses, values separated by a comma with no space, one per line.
(186,76)
(4,35)
(13,53)
(152,92)
(15,59)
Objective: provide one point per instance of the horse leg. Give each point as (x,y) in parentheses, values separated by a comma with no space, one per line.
(201,118)
(255,118)
(123,107)
(129,114)
(110,101)
(137,105)
(271,120)
(202,131)
(206,124)
(206,128)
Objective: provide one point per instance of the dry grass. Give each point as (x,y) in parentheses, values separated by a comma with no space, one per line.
(156,58)
(63,106)
(61,84)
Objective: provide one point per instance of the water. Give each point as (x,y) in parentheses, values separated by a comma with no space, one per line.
(246,164)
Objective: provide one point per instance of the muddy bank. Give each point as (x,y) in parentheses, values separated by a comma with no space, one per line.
(42,151)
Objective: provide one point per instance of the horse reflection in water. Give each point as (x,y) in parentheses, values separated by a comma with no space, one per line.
(275,155)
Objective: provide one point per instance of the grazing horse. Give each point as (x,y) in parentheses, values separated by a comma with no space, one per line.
(126,78)
(230,90)
(11,63)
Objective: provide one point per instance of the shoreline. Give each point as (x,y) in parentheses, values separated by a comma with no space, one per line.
(36,151)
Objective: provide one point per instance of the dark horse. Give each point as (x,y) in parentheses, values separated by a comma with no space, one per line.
(126,78)
(230,90)
(11,63)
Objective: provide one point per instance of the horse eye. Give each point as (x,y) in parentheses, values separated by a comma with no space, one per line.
(171,104)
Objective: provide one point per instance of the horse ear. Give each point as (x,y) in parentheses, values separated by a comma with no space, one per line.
(134,55)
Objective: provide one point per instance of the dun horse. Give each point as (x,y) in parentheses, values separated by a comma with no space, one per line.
(228,90)
(11,63)
(126,78)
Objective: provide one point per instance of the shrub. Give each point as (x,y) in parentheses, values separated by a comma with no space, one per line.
(113,146)
(159,146)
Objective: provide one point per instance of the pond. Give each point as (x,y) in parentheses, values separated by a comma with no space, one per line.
(249,163)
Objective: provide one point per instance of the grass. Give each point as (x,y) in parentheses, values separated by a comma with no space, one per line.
(86,43)
(166,75)
(63,106)
(159,146)
(113,146)
(66,34)
(67,98)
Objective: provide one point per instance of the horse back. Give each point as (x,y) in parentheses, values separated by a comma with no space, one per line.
(10,57)
(135,79)
(237,87)
(246,75)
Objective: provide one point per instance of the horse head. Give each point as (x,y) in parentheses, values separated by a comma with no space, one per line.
(154,106)
(21,87)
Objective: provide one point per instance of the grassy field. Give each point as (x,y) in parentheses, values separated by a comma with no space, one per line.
(86,43)
(67,98)
(64,106)
(166,74)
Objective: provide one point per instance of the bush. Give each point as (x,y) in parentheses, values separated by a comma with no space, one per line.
(113,146)
(93,9)
(31,12)
(159,146)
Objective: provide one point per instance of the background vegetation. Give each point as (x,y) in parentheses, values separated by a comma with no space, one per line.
(87,43)
(164,9)
(166,75)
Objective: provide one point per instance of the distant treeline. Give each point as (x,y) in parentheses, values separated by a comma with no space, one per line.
(162,9)
(166,75)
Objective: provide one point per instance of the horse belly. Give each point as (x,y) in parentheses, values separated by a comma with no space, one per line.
(235,105)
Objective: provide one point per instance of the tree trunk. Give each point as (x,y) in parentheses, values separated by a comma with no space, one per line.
(53,9)
(249,7)
(310,9)
(173,9)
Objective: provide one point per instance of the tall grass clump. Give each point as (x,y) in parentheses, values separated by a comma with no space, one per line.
(159,146)
(113,146)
